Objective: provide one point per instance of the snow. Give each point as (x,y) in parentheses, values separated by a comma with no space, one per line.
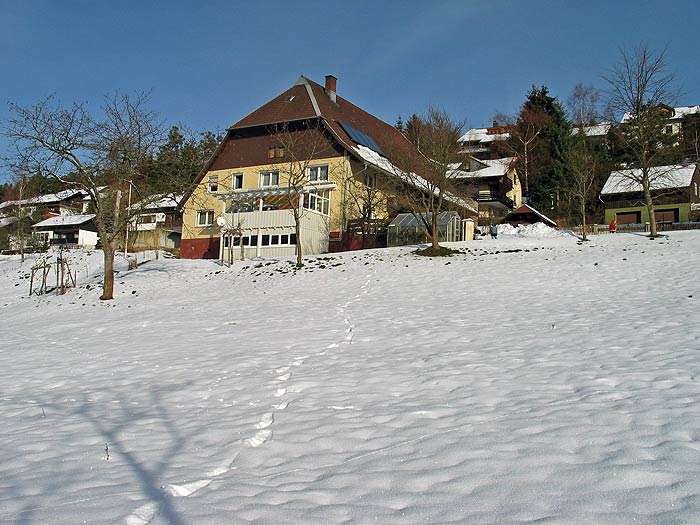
(661,177)
(45,199)
(161,202)
(678,113)
(7,221)
(596,130)
(538,230)
(482,135)
(491,168)
(532,379)
(65,220)
(384,164)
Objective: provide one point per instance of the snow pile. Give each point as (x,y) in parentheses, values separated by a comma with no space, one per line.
(537,230)
(358,389)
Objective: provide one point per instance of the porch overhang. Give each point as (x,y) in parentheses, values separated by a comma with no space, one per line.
(276,191)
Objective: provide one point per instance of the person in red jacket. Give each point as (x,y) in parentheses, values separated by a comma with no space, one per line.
(613,226)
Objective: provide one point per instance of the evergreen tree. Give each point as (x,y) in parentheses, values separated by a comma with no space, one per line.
(413,130)
(690,138)
(542,135)
(179,160)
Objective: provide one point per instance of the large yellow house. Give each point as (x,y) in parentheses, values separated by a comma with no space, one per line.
(308,152)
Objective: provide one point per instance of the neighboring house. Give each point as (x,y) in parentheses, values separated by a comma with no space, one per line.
(495,186)
(525,214)
(675,117)
(158,224)
(68,230)
(675,190)
(595,133)
(66,202)
(240,195)
(483,143)
(8,228)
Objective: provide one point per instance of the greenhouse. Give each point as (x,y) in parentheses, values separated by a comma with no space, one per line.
(404,229)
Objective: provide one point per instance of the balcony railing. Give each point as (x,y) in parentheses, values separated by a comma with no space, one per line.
(493,196)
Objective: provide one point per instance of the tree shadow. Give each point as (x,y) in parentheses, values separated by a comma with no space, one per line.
(111,427)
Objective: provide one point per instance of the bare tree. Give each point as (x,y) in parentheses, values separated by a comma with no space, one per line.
(583,105)
(424,182)
(368,198)
(583,160)
(302,144)
(104,157)
(640,91)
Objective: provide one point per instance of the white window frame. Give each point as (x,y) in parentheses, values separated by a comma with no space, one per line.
(320,202)
(370,180)
(205,218)
(234,178)
(271,175)
(313,173)
(213,184)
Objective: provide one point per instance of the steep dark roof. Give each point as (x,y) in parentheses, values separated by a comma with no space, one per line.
(307,100)
(528,214)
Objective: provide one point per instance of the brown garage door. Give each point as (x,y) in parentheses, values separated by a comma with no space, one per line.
(632,217)
(666,215)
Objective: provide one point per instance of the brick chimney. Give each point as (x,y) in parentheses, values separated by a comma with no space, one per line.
(330,87)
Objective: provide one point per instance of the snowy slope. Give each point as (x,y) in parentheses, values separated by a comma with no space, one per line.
(527,380)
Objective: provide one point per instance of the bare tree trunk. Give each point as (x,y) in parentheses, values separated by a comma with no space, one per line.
(108,285)
(583,217)
(650,207)
(297,229)
(435,233)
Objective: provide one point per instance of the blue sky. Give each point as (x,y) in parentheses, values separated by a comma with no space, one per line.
(209,63)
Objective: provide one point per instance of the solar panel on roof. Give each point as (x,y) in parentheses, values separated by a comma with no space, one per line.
(360,138)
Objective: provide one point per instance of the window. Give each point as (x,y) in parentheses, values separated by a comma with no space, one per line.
(317,173)
(237,181)
(265,240)
(371,180)
(205,217)
(275,152)
(147,219)
(669,129)
(213,184)
(269,178)
(318,201)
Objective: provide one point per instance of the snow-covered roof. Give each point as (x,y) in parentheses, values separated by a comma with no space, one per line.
(525,208)
(163,201)
(678,113)
(492,168)
(596,130)
(483,135)
(381,162)
(45,199)
(682,111)
(660,177)
(6,221)
(65,220)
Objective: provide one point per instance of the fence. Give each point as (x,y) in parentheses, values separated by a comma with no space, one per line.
(595,229)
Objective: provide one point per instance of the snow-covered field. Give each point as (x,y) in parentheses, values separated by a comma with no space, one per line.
(531,379)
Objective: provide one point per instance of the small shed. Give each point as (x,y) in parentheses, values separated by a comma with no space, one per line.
(525,214)
(404,229)
(75,230)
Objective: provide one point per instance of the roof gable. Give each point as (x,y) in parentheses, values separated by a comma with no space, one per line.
(661,178)
(307,100)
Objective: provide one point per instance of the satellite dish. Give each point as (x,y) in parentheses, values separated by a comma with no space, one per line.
(220,221)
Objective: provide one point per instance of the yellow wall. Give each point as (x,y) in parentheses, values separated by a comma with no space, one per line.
(339,171)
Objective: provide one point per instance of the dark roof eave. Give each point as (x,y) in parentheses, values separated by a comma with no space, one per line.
(234,127)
